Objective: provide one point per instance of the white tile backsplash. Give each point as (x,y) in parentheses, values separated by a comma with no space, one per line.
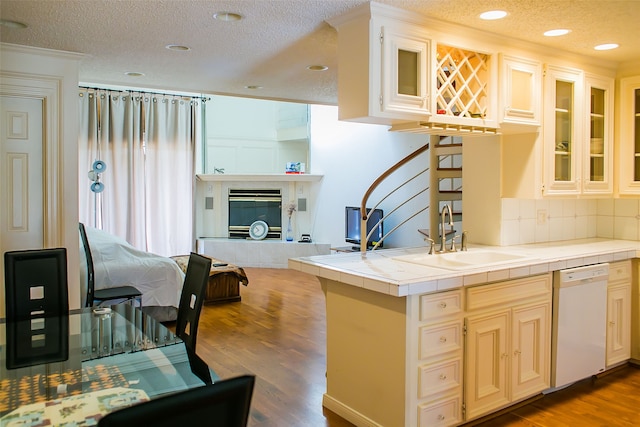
(549,220)
(510,232)
(568,208)
(542,232)
(626,208)
(605,207)
(527,230)
(527,209)
(604,226)
(555,208)
(568,227)
(625,227)
(555,229)
(510,209)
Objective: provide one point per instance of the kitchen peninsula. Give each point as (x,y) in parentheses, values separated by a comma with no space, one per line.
(396,327)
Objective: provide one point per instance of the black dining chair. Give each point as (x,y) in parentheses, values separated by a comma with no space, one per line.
(36,283)
(192,298)
(36,306)
(98,296)
(225,404)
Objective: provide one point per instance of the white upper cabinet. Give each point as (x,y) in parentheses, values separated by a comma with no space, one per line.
(392,71)
(404,78)
(597,172)
(384,62)
(520,98)
(562,130)
(629,153)
(464,98)
(578,133)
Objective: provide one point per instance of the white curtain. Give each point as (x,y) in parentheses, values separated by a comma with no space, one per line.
(148,144)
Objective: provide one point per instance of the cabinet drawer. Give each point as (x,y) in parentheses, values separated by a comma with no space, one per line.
(439,377)
(440,339)
(508,292)
(620,271)
(445,412)
(442,304)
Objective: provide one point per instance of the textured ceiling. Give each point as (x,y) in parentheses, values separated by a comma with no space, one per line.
(278,39)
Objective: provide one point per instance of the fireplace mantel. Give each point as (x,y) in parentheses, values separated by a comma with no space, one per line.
(271,177)
(212,200)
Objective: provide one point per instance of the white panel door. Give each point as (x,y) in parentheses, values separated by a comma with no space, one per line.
(21,173)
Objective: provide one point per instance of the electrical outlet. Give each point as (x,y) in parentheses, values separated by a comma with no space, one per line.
(542,216)
(210,188)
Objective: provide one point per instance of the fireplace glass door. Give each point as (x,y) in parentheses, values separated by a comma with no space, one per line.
(248,205)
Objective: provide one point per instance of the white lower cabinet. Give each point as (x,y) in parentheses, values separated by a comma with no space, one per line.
(480,349)
(619,313)
(440,413)
(486,355)
(507,343)
(438,389)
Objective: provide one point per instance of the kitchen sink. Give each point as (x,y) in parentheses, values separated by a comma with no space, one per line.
(462,260)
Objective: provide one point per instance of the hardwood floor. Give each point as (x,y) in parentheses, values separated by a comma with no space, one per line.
(608,401)
(277,332)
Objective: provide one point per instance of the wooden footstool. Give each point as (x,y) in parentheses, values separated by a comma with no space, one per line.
(224,280)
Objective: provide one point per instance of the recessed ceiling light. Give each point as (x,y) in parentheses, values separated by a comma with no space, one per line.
(607,46)
(133,74)
(493,15)
(317,68)
(253,87)
(12,24)
(177,47)
(556,33)
(227,16)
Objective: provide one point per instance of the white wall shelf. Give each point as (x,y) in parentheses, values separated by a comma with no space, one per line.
(274,177)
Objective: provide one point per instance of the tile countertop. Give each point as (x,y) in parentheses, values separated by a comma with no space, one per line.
(379,270)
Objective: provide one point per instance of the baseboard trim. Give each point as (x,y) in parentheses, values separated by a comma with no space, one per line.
(503,411)
(615,368)
(347,413)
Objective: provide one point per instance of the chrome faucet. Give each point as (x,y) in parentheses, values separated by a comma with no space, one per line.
(443,232)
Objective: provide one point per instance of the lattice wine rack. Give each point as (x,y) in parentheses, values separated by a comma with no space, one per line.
(462,82)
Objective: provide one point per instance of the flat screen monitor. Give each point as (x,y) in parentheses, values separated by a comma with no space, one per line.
(352,226)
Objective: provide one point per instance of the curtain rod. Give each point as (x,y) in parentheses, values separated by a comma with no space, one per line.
(203,98)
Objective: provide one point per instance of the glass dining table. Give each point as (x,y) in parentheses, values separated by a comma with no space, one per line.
(78,367)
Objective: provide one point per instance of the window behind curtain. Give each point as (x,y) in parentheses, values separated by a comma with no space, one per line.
(147,142)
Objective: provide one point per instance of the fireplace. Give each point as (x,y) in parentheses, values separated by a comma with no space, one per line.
(249,205)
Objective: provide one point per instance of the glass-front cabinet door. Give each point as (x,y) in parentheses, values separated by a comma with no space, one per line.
(598,136)
(405,78)
(562,130)
(629,153)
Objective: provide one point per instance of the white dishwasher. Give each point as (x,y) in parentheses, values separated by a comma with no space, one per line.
(579,324)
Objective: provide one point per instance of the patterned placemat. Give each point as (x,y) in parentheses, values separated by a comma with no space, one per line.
(81,410)
(15,392)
